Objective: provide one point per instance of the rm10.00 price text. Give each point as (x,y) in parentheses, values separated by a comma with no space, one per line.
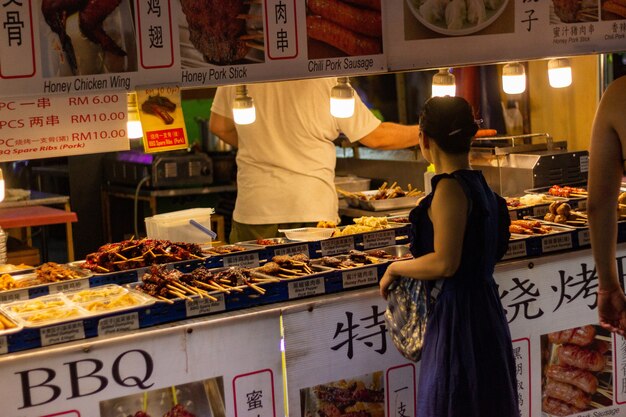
(99,134)
(98,117)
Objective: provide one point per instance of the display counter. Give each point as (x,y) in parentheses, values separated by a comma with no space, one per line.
(213,360)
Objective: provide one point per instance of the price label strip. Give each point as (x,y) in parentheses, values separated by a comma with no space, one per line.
(244,260)
(14,296)
(72,285)
(62,333)
(379,239)
(337,246)
(4,345)
(360,277)
(558,242)
(306,287)
(584,239)
(516,250)
(118,324)
(203,306)
(292,250)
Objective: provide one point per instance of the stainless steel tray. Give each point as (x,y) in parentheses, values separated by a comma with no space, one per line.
(395,252)
(389,203)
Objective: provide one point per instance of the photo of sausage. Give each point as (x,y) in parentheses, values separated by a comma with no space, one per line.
(613,9)
(343,28)
(577,371)
(580,378)
(581,336)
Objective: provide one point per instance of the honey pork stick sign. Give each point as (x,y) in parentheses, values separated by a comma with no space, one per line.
(50,126)
(206,369)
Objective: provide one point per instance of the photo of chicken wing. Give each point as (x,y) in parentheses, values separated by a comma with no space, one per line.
(63,17)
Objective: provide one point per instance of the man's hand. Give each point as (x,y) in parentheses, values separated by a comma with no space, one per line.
(612,310)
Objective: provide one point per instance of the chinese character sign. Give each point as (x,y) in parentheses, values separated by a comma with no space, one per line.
(16,40)
(334,348)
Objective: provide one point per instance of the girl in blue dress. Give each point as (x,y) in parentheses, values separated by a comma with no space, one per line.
(460,231)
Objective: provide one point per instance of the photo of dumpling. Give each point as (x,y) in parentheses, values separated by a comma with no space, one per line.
(456,17)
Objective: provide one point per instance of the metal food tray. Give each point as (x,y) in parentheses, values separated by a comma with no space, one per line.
(389,203)
(23,317)
(553,224)
(275,241)
(142,298)
(127,276)
(39,290)
(17,325)
(397,252)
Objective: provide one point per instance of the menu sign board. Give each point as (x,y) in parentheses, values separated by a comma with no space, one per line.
(474,31)
(83,48)
(50,126)
(341,346)
(173,371)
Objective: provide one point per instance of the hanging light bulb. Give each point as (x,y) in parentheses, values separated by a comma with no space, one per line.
(133,125)
(513,78)
(342,99)
(244,112)
(559,72)
(443,84)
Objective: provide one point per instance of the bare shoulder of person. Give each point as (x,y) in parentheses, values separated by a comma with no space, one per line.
(449,194)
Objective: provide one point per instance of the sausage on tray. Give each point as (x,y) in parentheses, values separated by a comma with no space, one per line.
(579,357)
(365,22)
(581,336)
(567,393)
(580,378)
(558,408)
(341,38)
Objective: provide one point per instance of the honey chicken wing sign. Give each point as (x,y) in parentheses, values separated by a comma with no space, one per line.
(162,119)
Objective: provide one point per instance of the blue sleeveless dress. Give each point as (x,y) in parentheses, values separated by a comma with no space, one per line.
(467,367)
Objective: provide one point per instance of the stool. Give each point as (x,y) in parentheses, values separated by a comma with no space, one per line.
(40,216)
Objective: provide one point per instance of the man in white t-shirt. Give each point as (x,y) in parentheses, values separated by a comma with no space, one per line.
(286,158)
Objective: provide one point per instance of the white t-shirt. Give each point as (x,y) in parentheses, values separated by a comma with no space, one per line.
(286,158)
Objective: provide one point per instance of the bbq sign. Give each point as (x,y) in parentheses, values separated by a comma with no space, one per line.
(162,119)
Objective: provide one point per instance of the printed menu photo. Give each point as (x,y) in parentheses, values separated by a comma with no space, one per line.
(339,28)
(220,32)
(87,37)
(362,396)
(427,19)
(577,371)
(573,11)
(196,399)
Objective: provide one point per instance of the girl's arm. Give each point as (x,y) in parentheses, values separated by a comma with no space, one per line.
(448,214)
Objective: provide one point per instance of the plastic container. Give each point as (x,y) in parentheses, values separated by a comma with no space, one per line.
(175,226)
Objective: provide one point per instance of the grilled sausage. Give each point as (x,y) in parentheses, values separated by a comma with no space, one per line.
(579,357)
(558,408)
(580,378)
(365,22)
(370,4)
(341,38)
(567,393)
(581,336)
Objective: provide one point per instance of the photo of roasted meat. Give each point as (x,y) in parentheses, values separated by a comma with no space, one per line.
(362,396)
(577,373)
(217,29)
(159,106)
(572,11)
(91,14)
